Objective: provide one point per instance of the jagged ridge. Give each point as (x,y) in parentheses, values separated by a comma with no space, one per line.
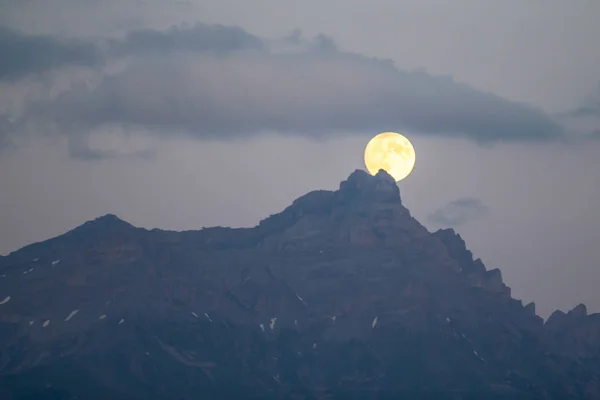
(341,294)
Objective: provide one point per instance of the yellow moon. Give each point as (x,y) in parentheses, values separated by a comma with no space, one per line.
(391,152)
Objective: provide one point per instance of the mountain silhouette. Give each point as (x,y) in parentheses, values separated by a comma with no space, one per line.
(342,295)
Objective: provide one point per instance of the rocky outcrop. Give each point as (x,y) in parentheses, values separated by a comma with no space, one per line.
(530,309)
(574,334)
(341,295)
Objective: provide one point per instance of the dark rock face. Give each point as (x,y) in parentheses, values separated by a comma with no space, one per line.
(343,295)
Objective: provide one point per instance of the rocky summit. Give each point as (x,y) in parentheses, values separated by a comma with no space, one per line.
(342,295)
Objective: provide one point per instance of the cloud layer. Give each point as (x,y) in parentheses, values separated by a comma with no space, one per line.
(22,55)
(222,82)
(459,212)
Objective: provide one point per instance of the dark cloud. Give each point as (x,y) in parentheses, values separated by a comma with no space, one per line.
(458,212)
(590,107)
(584,121)
(197,38)
(22,54)
(80,149)
(5,130)
(221,82)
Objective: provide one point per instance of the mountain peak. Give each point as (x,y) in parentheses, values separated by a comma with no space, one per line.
(108,221)
(103,224)
(380,187)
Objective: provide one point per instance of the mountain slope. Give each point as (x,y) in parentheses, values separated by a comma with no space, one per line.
(341,295)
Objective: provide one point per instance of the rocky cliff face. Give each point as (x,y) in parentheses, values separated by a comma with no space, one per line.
(342,295)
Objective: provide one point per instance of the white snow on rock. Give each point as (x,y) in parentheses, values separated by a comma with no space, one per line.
(102,316)
(6,300)
(301,299)
(121,321)
(71,315)
(35,259)
(194,314)
(314,345)
(262,327)
(46,323)
(448,319)
(374,322)
(31,323)
(55,262)
(272,324)
(208,316)
(334,318)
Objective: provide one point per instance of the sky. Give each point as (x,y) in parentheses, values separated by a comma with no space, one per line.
(184,114)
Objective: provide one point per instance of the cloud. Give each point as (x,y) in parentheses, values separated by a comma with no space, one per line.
(222,82)
(583,122)
(21,54)
(5,129)
(81,148)
(590,106)
(218,39)
(595,135)
(459,212)
(87,153)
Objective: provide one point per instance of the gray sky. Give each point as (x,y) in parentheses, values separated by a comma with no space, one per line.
(154,113)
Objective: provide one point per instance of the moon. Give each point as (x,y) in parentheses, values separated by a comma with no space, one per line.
(391,152)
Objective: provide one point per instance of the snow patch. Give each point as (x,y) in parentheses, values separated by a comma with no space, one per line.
(272,324)
(31,323)
(194,314)
(262,327)
(55,262)
(71,315)
(448,319)
(121,321)
(208,316)
(374,322)
(46,323)
(301,299)
(6,300)
(102,316)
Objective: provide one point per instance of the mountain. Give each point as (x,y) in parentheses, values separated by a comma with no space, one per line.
(342,295)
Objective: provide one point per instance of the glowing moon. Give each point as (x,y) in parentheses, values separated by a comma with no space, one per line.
(392,153)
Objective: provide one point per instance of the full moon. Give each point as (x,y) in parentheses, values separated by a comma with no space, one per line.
(391,152)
